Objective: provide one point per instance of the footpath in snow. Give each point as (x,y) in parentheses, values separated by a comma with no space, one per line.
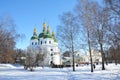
(10,72)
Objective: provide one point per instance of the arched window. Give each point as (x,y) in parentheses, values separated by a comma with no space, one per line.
(51,54)
(32,43)
(51,62)
(49,42)
(35,43)
(41,42)
(45,42)
(51,49)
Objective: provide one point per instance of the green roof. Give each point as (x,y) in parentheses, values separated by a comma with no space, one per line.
(41,35)
(34,37)
(55,40)
(44,34)
(47,36)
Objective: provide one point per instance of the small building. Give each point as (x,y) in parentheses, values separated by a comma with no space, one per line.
(96,56)
(82,58)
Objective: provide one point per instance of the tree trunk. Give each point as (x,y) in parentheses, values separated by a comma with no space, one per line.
(115,57)
(73,56)
(90,50)
(107,58)
(103,56)
(91,59)
(73,62)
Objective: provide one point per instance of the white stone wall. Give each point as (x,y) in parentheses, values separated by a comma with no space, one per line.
(34,42)
(56,58)
(51,47)
(46,41)
(95,56)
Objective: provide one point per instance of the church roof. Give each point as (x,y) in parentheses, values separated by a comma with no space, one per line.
(34,34)
(44,34)
(41,35)
(55,40)
(47,36)
(34,37)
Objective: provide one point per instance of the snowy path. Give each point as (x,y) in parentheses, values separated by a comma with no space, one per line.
(9,72)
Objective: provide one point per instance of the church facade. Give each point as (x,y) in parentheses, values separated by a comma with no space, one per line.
(49,45)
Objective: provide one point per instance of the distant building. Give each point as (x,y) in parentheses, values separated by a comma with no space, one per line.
(96,56)
(47,41)
(81,58)
(67,58)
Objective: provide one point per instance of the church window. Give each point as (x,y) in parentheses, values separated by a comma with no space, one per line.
(35,43)
(51,62)
(51,49)
(41,42)
(49,42)
(32,43)
(45,42)
(51,54)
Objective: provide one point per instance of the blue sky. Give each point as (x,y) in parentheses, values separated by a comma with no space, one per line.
(28,14)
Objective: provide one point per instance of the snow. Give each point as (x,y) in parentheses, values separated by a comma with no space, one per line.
(13,72)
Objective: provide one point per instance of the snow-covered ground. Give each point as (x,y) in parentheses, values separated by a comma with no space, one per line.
(10,72)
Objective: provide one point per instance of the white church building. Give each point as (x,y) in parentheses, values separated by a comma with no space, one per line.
(48,43)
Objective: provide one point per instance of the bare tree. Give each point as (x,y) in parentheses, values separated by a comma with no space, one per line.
(19,53)
(114,22)
(114,26)
(101,30)
(114,54)
(30,58)
(114,5)
(84,14)
(68,33)
(35,56)
(41,56)
(8,38)
(95,18)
